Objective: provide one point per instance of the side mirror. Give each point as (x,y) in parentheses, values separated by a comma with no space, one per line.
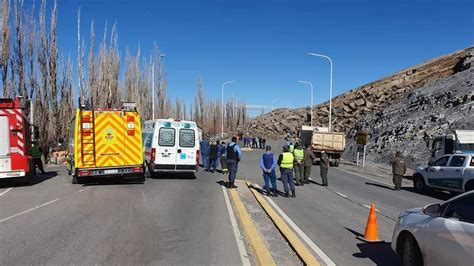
(431,210)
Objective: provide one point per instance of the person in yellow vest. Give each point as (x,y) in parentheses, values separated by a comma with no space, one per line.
(292,147)
(298,167)
(36,154)
(286,161)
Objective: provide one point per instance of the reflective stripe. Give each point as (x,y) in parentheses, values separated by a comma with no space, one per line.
(299,154)
(287,161)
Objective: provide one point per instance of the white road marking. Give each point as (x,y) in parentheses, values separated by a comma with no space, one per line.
(6,191)
(27,211)
(342,195)
(368,207)
(321,255)
(237,234)
(375,180)
(84,189)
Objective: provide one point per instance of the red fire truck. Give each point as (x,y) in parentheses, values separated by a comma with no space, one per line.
(15,141)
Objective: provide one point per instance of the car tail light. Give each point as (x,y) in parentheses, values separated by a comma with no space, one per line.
(137,169)
(197,157)
(84,172)
(153,154)
(86,132)
(131,132)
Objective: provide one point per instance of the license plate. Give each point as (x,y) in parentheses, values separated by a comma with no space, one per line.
(165,155)
(111,171)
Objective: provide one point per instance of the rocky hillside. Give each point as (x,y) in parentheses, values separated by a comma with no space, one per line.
(409,124)
(352,106)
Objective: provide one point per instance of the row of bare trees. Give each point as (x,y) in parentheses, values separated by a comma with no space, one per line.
(32,67)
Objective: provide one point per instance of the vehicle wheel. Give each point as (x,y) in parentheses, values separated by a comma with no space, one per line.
(74,179)
(27,179)
(470,186)
(147,173)
(419,185)
(336,163)
(411,252)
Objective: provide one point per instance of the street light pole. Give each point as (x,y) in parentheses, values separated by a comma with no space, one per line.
(312,92)
(153,86)
(222,104)
(330,86)
(274,100)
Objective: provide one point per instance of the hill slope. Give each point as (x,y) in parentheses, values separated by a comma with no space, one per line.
(428,98)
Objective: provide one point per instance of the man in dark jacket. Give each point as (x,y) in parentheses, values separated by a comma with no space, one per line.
(213,155)
(398,169)
(308,163)
(324,165)
(204,150)
(233,156)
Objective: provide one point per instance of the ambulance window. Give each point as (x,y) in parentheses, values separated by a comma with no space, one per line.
(166,137)
(148,140)
(186,138)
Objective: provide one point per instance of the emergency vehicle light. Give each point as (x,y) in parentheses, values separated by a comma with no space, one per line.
(84,172)
(137,169)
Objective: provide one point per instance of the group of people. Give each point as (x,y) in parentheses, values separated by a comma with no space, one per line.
(295,165)
(228,155)
(255,142)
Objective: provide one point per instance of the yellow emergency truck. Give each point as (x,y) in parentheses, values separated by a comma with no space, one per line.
(105,143)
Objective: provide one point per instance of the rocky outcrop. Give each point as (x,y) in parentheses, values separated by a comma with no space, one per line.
(350,107)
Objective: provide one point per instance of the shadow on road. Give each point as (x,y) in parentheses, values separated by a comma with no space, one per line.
(7,183)
(174,176)
(379,253)
(379,185)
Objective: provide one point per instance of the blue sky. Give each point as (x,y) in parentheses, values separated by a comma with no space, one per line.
(263,44)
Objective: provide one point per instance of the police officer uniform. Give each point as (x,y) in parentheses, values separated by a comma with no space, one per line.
(324,165)
(286,161)
(299,165)
(398,169)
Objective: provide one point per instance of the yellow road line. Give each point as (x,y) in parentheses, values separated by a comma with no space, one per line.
(302,251)
(258,245)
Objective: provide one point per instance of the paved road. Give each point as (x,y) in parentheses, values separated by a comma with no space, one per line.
(186,221)
(332,217)
(164,221)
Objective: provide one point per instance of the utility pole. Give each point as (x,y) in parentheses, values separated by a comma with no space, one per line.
(330,86)
(222,104)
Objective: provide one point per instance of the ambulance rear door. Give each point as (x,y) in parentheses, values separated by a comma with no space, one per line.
(187,146)
(166,148)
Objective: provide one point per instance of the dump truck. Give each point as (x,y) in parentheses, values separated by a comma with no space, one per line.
(105,143)
(321,139)
(16,161)
(457,141)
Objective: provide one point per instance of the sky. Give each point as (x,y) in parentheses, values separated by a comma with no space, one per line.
(263,45)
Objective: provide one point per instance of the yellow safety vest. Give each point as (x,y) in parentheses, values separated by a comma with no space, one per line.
(287,161)
(292,148)
(299,154)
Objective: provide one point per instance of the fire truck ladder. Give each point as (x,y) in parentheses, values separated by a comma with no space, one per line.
(88,142)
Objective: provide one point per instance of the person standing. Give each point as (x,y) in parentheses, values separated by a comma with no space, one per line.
(233,157)
(285,161)
(257,142)
(213,155)
(36,152)
(324,166)
(298,167)
(268,163)
(264,143)
(398,169)
(204,149)
(308,163)
(222,152)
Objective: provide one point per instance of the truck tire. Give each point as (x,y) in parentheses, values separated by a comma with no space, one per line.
(419,184)
(74,179)
(336,163)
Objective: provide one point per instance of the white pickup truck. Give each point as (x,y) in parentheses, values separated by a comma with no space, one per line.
(453,172)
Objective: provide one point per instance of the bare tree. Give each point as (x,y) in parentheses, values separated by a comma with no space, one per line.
(5,49)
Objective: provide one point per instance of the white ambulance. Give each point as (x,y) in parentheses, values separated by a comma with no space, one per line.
(170,146)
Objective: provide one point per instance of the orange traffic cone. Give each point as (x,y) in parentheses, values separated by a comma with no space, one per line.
(371,231)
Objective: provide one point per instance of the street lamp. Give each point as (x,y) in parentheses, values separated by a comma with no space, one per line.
(274,100)
(330,85)
(153,87)
(222,103)
(312,91)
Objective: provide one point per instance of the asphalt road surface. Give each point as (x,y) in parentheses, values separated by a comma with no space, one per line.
(186,221)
